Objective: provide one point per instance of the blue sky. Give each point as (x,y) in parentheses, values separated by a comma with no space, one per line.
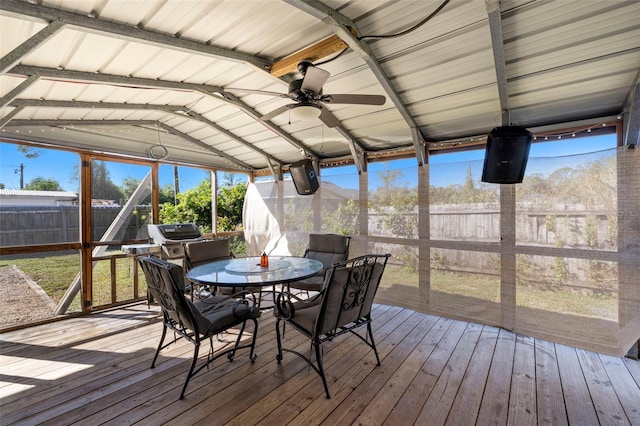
(61,165)
(445,167)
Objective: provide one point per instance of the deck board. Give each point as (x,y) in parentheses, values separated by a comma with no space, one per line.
(466,406)
(551,409)
(522,402)
(434,370)
(580,408)
(439,403)
(389,394)
(494,408)
(409,406)
(606,401)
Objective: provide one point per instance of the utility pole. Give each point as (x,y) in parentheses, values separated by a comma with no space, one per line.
(21,171)
(176,184)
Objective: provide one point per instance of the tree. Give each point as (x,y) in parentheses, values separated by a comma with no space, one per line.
(535,188)
(341,220)
(194,206)
(29,151)
(42,184)
(395,205)
(230,203)
(167,194)
(229,180)
(129,185)
(102,187)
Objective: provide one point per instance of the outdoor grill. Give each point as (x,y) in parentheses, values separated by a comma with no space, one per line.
(171,237)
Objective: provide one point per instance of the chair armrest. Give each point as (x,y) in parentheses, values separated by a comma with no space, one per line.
(239,298)
(251,310)
(284,306)
(286,303)
(218,299)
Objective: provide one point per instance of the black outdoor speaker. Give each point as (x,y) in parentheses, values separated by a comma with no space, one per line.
(304,177)
(506,155)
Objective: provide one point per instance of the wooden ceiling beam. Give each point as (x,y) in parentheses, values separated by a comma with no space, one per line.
(320,50)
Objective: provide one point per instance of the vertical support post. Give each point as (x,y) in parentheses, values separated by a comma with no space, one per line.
(316,202)
(114,282)
(508,255)
(279,213)
(155,193)
(136,287)
(85,233)
(424,236)
(628,170)
(362,242)
(214,203)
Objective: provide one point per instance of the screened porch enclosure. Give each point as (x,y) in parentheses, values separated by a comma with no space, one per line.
(194,84)
(554,257)
(63,251)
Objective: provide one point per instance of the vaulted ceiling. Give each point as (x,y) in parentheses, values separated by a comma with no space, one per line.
(190,80)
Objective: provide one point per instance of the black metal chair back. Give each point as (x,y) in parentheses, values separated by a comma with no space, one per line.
(328,249)
(196,321)
(343,305)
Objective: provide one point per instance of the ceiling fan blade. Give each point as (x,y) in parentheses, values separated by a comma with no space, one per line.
(313,80)
(328,118)
(268,116)
(354,99)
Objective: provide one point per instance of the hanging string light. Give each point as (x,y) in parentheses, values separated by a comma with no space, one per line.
(572,133)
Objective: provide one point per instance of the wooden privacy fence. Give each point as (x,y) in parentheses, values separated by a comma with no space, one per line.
(559,226)
(31,225)
(570,226)
(567,226)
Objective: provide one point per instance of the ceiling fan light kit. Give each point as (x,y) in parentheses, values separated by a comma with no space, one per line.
(305,112)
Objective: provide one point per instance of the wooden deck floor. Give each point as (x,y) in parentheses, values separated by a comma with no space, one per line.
(95,370)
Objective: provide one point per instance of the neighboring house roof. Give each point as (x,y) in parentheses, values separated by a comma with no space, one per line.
(21,197)
(329,190)
(31,194)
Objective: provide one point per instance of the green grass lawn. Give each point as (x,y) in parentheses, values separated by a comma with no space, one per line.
(54,272)
(487,287)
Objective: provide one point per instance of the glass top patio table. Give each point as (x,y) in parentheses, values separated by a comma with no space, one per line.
(245,271)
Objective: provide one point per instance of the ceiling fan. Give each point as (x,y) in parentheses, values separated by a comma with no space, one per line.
(309,99)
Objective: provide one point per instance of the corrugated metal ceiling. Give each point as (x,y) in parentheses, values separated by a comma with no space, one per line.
(120,76)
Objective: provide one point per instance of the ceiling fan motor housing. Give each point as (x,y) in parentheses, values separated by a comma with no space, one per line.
(297,94)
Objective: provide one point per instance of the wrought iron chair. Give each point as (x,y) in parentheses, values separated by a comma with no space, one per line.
(200,252)
(328,249)
(199,320)
(342,306)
